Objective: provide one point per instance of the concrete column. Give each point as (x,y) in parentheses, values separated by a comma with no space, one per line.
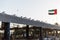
(41,36)
(27,31)
(6,26)
(55,33)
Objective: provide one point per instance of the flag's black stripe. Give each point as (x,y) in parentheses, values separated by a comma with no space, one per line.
(51,13)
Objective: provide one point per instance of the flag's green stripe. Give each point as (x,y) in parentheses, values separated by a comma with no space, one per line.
(51,10)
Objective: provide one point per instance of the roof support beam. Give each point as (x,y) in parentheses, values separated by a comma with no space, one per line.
(27,32)
(41,34)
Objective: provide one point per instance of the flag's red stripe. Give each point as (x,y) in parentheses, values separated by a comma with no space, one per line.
(55,11)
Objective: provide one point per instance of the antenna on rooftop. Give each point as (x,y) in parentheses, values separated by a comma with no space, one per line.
(17,11)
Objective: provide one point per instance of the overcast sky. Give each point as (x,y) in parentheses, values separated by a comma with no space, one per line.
(36,9)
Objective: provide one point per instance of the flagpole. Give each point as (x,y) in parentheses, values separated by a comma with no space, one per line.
(56,19)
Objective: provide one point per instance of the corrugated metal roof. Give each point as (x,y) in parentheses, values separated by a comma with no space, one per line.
(15,19)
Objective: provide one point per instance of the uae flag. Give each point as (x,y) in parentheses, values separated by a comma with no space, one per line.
(52,12)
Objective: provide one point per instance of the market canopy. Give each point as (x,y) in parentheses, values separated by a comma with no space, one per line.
(14,19)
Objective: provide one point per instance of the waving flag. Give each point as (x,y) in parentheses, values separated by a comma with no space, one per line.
(52,12)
